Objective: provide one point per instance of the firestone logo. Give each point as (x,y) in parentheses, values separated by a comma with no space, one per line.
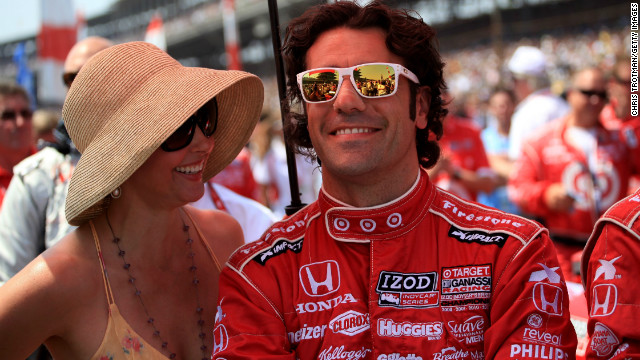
(447,205)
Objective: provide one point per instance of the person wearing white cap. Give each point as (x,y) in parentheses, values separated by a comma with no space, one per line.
(537,105)
(139,276)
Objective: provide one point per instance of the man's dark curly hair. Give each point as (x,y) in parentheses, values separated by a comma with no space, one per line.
(406,36)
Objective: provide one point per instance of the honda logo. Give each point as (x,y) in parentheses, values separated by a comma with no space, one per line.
(548,298)
(220,338)
(605,299)
(321,278)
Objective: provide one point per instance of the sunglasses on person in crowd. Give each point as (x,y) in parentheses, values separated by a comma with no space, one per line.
(589,93)
(12,114)
(68,78)
(331,78)
(206,118)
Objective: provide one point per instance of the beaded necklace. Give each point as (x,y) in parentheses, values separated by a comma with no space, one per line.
(192,269)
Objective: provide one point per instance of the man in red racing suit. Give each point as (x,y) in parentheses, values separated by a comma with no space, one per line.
(609,274)
(572,170)
(385,265)
(427,276)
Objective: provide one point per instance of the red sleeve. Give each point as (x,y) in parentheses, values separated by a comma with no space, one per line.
(530,312)
(526,187)
(248,325)
(612,295)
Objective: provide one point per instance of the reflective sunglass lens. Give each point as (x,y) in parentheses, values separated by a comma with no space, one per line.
(320,85)
(375,80)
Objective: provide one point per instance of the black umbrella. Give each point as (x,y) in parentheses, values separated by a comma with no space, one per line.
(296,204)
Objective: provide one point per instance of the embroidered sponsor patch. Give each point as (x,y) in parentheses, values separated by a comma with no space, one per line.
(429,330)
(478,237)
(278,248)
(321,278)
(604,300)
(407,290)
(603,340)
(537,351)
(465,287)
(350,323)
(307,333)
(452,353)
(470,330)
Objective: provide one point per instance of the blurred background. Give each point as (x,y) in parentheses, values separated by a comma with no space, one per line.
(476,36)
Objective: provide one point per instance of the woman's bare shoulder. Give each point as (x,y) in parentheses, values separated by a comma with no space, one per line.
(221,231)
(46,298)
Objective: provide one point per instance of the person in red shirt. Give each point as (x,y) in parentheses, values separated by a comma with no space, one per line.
(384,264)
(609,272)
(16,140)
(572,170)
(463,168)
(617,115)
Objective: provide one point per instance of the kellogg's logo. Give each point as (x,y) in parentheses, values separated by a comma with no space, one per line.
(479,237)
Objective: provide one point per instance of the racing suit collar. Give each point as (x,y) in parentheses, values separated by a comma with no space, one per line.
(386,221)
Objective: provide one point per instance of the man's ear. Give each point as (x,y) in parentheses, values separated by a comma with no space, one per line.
(423,103)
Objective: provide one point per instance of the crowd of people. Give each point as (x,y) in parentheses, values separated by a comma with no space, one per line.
(501,184)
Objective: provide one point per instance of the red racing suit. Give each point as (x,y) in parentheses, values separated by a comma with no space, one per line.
(549,158)
(609,273)
(426,276)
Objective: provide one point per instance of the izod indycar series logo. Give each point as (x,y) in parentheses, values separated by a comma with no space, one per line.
(407,290)
(477,236)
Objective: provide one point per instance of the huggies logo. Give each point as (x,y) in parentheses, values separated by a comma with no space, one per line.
(321,278)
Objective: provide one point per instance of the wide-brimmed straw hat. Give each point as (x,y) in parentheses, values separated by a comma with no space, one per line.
(128,99)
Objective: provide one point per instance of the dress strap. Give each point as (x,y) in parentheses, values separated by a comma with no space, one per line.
(107,286)
(204,242)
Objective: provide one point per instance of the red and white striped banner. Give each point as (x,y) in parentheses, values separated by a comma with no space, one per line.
(231,37)
(155,32)
(56,37)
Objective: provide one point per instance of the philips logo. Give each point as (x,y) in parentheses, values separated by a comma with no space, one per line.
(479,237)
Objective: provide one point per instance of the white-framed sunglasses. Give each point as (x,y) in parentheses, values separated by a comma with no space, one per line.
(372,80)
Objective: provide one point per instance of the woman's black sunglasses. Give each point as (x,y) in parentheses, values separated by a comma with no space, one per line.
(206,118)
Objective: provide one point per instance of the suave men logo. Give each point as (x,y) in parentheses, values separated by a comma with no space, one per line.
(477,236)
(278,248)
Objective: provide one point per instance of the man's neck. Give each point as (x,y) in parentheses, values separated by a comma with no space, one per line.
(365,192)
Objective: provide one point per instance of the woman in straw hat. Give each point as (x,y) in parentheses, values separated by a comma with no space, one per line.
(139,277)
